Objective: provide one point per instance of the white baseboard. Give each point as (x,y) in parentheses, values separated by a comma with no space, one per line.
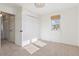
(62,42)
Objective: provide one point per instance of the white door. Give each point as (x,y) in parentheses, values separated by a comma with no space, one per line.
(12,28)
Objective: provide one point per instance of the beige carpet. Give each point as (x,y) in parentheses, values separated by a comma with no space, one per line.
(51,49)
(31,48)
(40,43)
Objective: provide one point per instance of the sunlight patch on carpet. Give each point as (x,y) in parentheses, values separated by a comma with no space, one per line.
(31,48)
(40,43)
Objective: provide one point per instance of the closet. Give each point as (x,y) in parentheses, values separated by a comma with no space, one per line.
(7,28)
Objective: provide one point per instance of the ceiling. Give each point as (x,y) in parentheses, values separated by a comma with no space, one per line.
(48,8)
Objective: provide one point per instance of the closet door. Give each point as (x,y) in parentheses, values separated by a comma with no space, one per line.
(12,28)
(6,27)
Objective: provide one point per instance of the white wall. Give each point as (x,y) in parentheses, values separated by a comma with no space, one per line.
(30,27)
(69,27)
(78,25)
(17,11)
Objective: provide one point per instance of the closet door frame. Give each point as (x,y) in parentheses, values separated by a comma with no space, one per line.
(1,14)
(0,27)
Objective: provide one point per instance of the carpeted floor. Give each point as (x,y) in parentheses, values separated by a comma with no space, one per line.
(51,49)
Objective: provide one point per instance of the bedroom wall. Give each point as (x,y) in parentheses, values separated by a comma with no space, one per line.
(78,25)
(68,32)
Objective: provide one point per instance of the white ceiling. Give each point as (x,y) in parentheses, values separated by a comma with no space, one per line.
(48,8)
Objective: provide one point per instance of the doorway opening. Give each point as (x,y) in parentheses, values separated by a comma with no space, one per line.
(7,28)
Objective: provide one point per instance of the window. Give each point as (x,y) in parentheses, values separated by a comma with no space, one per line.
(55,22)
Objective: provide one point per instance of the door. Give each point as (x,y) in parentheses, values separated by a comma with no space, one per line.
(6,26)
(12,28)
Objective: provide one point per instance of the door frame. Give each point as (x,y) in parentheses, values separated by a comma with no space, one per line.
(0,29)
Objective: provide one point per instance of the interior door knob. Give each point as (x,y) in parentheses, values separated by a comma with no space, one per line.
(21,30)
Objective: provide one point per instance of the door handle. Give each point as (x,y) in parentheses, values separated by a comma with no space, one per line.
(21,30)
